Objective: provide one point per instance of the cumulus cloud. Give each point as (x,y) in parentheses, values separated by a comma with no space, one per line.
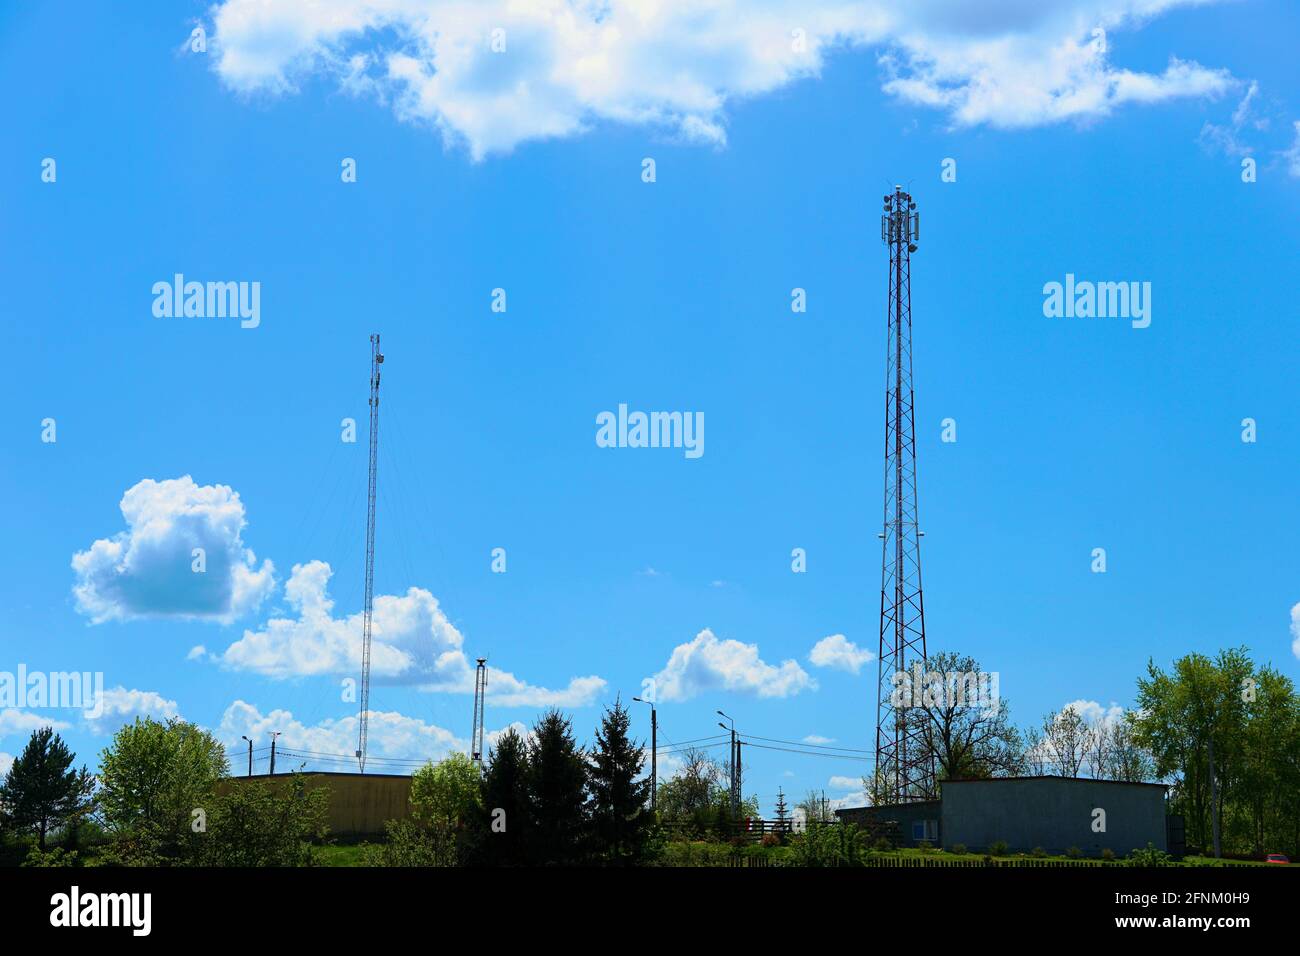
(389,734)
(494,73)
(839,652)
(122,706)
(845,783)
(15,721)
(148,570)
(6,761)
(412,643)
(1295,611)
(817,739)
(1096,714)
(708,664)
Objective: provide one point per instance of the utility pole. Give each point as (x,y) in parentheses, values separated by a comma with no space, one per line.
(368,607)
(480,702)
(903,770)
(274,734)
(250,754)
(734,763)
(654,754)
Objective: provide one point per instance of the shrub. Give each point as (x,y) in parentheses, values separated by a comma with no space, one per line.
(261,824)
(1038,851)
(1108,855)
(771,840)
(998,848)
(53,857)
(923,845)
(1149,856)
(1074,853)
(882,845)
(409,844)
(958,848)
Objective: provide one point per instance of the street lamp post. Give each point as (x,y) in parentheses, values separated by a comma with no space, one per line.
(654,754)
(735,766)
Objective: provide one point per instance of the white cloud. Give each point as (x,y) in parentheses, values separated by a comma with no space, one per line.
(1228,139)
(818,739)
(122,706)
(197,653)
(677,64)
(148,570)
(15,721)
(708,664)
(845,783)
(412,642)
(1094,713)
(6,761)
(839,652)
(389,734)
(1295,611)
(1291,155)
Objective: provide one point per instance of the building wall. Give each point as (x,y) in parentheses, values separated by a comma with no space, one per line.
(359,804)
(1054,813)
(904,815)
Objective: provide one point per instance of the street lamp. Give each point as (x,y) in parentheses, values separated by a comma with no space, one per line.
(250,754)
(654,754)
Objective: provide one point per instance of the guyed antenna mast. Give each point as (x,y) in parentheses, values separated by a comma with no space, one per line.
(376,360)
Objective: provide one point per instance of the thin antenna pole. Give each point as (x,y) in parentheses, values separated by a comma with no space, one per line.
(376,359)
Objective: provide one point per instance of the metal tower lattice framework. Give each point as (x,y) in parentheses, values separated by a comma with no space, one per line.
(376,360)
(480,702)
(903,772)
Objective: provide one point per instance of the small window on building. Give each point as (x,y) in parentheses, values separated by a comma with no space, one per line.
(925,830)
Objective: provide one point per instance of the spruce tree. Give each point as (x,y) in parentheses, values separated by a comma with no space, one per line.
(42,792)
(505,802)
(782,812)
(557,783)
(619,810)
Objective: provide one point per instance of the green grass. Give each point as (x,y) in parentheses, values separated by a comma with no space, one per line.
(344,854)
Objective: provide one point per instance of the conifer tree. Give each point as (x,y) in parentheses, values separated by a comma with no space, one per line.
(505,802)
(620,814)
(557,783)
(42,792)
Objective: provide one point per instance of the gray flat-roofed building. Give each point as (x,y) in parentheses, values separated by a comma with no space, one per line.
(1055,813)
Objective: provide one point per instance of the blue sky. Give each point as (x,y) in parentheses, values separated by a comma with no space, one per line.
(522,170)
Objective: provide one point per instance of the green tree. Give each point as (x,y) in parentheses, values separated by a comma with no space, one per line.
(447,803)
(557,783)
(619,806)
(966,733)
(688,799)
(447,794)
(1193,720)
(42,791)
(505,802)
(153,778)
